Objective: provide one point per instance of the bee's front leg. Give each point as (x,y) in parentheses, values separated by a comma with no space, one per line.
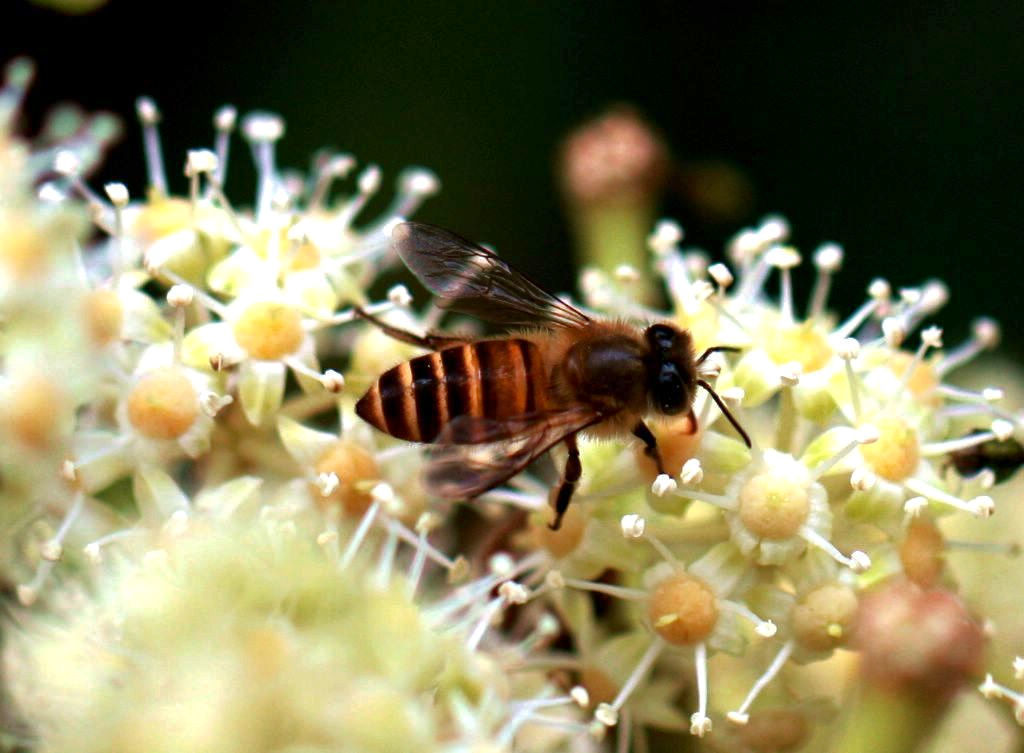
(572,473)
(645,435)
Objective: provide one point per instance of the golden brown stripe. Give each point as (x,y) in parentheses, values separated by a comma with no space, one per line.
(501,386)
(471,367)
(442,393)
(408,400)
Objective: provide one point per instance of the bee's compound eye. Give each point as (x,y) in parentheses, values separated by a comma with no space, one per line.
(670,393)
(662,337)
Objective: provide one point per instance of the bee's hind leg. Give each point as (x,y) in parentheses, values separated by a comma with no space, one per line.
(571,475)
(430,341)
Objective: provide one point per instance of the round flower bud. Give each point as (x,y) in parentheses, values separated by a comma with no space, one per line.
(356,471)
(682,609)
(822,619)
(163,404)
(269,331)
(921,553)
(564,541)
(34,409)
(916,639)
(104,315)
(896,454)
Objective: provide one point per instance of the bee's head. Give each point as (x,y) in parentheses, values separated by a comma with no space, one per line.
(671,371)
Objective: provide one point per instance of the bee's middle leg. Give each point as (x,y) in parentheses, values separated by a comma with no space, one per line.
(571,475)
(430,341)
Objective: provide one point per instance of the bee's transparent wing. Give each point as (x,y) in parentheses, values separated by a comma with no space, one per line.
(469,278)
(473,455)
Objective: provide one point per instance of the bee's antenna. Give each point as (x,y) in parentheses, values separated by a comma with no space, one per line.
(716,349)
(725,411)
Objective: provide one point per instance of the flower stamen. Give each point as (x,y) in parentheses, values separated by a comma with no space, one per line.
(858,561)
(700,724)
(980,507)
(827,260)
(740,715)
(985,336)
(608,713)
(368,184)
(224,124)
(149,117)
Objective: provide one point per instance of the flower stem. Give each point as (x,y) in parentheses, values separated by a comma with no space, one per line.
(609,236)
(888,722)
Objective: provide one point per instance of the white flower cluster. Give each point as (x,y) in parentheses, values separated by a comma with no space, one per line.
(211,551)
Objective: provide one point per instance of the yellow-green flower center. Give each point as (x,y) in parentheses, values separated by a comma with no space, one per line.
(163,404)
(269,331)
(773,506)
(801,343)
(896,454)
(163,216)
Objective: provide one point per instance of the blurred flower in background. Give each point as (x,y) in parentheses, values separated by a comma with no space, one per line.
(72,7)
(613,170)
(204,548)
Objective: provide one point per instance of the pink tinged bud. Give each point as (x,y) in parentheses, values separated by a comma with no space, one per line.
(616,158)
(922,641)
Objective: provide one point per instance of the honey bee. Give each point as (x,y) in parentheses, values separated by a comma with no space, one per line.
(490,407)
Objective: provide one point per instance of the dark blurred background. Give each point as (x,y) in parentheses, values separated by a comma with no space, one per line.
(892,128)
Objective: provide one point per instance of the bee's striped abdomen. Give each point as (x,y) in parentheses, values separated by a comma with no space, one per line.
(494,379)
